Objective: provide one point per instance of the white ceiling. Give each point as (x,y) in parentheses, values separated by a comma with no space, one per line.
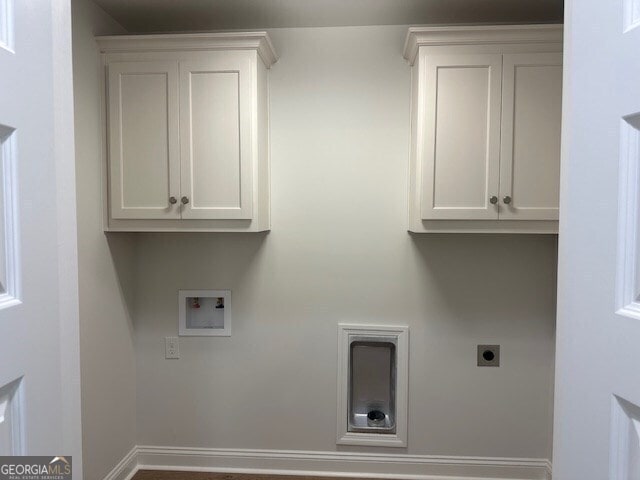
(198,15)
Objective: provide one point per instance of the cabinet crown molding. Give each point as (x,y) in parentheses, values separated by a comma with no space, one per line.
(478,35)
(258,41)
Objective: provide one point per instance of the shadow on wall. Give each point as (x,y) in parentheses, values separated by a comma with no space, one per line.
(190,255)
(507,279)
(122,249)
(173,261)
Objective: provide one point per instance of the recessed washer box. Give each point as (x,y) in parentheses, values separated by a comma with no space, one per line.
(204,313)
(372,385)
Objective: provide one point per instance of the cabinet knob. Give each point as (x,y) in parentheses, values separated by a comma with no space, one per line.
(173,200)
(507,199)
(493,200)
(184,200)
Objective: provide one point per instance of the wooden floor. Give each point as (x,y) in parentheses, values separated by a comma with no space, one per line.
(164,475)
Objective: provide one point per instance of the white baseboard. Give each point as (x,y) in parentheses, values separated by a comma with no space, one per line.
(126,468)
(329,464)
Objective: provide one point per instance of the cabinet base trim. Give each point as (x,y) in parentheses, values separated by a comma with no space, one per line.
(186,226)
(485,226)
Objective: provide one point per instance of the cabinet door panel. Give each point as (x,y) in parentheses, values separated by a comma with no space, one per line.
(143,139)
(461,137)
(531,125)
(215,115)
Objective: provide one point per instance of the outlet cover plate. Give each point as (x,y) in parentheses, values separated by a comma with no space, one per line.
(171,348)
(488,355)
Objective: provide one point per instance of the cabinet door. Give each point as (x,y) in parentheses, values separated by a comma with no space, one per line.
(461,137)
(216,103)
(144,162)
(530,150)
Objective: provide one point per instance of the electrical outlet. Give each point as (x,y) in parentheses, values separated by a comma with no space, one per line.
(171,347)
(488,355)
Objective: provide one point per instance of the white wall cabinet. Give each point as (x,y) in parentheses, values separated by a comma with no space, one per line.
(187,132)
(485,128)
(530,136)
(144,161)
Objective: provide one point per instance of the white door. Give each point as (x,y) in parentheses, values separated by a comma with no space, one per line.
(530,140)
(39,364)
(144,152)
(597,404)
(216,104)
(462,137)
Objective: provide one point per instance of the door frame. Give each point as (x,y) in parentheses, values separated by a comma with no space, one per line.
(65,161)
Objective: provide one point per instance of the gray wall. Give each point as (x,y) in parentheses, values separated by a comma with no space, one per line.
(106,331)
(339,252)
